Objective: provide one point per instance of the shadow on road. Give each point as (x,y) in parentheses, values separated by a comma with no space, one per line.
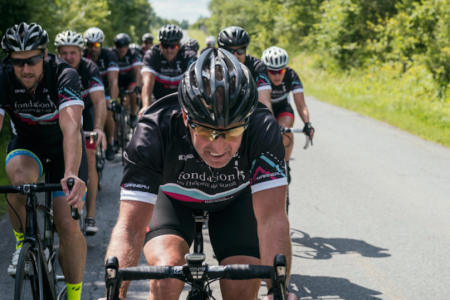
(322,248)
(319,287)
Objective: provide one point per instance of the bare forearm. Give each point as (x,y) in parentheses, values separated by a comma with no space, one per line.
(302,109)
(113,84)
(147,89)
(137,75)
(274,238)
(99,110)
(126,245)
(264,98)
(72,145)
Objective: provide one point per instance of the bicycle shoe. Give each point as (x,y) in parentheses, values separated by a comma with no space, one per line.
(133,121)
(109,152)
(91,226)
(116,146)
(12,268)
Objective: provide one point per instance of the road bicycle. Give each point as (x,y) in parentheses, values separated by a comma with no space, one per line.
(36,276)
(121,114)
(308,141)
(196,272)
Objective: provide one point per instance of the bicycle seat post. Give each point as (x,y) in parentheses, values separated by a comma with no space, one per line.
(200,217)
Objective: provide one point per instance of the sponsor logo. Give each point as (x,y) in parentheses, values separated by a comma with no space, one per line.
(136,185)
(19,91)
(36,104)
(240,175)
(45,90)
(185,157)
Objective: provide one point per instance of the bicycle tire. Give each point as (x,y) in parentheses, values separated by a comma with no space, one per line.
(26,286)
(122,128)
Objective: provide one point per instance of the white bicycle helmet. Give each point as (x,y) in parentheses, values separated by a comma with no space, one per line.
(275,58)
(210,41)
(69,38)
(94,35)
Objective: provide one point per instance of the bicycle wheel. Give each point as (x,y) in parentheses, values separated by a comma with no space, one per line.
(123,134)
(27,283)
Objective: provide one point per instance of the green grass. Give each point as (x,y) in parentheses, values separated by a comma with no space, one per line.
(407,100)
(5,136)
(198,35)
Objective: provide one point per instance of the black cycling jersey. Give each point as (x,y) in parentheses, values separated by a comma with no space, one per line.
(160,157)
(107,61)
(259,72)
(126,65)
(168,74)
(141,51)
(291,83)
(36,116)
(91,81)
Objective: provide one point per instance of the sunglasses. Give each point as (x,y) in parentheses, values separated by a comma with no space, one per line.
(94,45)
(213,134)
(118,46)
(171,46)
(239,51)
(32,61)
(148,42)
(273,72)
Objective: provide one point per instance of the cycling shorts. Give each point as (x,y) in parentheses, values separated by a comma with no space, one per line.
(40,153)
(232,230)
(282,109)
(127,82)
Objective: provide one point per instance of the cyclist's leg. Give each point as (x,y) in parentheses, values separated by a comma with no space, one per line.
(235,241)
(133,103)
(22,166)
(285,117)
(171,233)
(72,245)
(91,195)
(109,122)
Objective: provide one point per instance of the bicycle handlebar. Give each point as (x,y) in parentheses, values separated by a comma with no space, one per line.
(296,130)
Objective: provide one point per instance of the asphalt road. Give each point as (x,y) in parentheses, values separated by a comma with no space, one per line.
(369,215)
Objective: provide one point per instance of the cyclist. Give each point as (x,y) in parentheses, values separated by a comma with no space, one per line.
(164,65)
(41,94)
(136,48)
(130,73)
(107,62)
(284,80)
(203,148)
(210,41)
(147,43)
(235,40)
(69,46)
(192,44)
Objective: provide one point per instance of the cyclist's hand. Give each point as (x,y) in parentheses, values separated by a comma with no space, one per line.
(78,190)
(143,109)
(138,90)
(308,130)
(101,138)
(290,296)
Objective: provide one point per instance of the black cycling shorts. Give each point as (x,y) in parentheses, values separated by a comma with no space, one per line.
(282,109)
(88,118)
(56,169)
(125,82)
(232,230)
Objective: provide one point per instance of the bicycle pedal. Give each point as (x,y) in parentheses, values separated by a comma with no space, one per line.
(60,278)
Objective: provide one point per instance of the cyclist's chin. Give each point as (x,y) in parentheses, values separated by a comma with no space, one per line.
(217,161)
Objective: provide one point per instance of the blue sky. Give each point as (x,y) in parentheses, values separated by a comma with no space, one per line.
(189,10)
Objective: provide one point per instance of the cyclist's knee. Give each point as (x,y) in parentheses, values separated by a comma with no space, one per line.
(166,250)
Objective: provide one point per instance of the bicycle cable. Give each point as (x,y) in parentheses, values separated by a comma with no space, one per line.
(290,139)
(21,225)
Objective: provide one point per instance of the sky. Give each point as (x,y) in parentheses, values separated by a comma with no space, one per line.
(180,10)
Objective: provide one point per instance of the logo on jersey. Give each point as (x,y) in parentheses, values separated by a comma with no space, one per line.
(136,185)
(185,157)
(19,91)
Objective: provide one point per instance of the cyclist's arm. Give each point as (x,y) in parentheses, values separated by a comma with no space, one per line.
(113,77)
(273,225)
(70,124)
(98,100)
(264,98)
(299,99)
(127,238)
(147,89)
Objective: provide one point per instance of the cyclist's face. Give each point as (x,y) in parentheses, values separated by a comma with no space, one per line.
(148,45)
(94,52)
(240,57)
(276,79)
(29,76)
(122,51)
(169,53)
(216,153)
(71,54)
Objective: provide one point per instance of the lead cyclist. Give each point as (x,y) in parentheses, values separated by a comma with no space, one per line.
(211,146)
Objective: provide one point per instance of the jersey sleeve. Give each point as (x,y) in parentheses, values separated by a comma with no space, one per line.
(149,64)
(113,62)
(267,156)
(69,88)
(261,76)
(95,80)
(296,84)
(137,61)
(142,173)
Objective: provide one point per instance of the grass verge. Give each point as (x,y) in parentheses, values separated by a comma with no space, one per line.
(407,100)
(5,136)
(198,35)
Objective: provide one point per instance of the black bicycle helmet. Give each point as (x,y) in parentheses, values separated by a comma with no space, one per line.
(217,90)
(122,39)
(147,37)
(170,34)
(233,36)
(192,44)
(25,37)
